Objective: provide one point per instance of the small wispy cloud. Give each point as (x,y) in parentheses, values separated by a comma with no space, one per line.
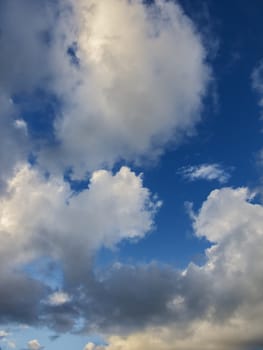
(209,172)
(58,298)
(34,345)
(257,78)
(3,334)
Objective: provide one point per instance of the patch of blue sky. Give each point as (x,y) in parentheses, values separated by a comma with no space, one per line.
(229,134)
(39,110)
(76,185)
(72,52)
(50,340)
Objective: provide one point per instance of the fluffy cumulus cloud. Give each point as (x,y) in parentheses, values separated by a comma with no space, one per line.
(64,222)
(207,172)
(116,69)
(139,70)
(41,217)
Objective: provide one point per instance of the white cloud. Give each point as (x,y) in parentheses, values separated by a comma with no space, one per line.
(53,220)
(141,78)
(92,346)
(226,211)
(142,71)
(3,334)
(21,125)
(34,345)
(207,172)
(58,298)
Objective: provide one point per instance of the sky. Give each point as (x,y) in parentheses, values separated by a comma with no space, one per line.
(131,174)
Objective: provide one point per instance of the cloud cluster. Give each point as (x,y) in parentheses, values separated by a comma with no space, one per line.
(127,78)
(95,82)
(219,299)
(218,305)
(214,306)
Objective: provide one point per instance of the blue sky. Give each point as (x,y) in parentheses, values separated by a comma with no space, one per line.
(131,175)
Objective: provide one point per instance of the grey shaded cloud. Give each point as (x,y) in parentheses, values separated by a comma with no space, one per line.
(19,298)
(24,66)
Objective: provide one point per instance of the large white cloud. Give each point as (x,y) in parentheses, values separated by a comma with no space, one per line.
(138,81)
(42,216)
